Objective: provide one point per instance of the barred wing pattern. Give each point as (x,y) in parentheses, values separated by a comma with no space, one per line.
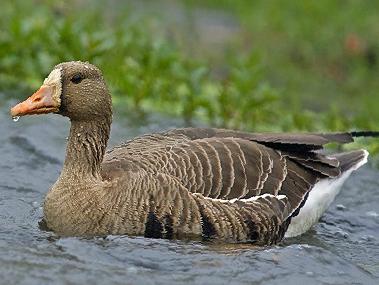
(247,186)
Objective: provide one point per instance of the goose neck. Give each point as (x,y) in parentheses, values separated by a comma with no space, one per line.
(85,150)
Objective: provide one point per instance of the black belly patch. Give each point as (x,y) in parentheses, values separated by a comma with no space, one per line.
(208,229)
(168,227)
(253,231)
(153,227)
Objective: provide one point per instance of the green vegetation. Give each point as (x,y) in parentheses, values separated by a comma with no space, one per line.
(256,65)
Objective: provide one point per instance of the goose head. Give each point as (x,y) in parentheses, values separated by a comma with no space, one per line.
(73,89)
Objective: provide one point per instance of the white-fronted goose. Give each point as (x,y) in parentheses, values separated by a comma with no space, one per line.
(183,183)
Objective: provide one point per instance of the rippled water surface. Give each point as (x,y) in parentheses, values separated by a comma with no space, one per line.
(342,249)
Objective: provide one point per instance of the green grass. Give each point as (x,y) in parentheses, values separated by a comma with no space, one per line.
(297,66)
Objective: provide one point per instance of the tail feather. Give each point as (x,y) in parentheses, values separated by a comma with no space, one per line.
(352,159)
(324,192)
(365,134)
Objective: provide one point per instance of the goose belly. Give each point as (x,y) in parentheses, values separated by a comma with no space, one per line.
(319,199)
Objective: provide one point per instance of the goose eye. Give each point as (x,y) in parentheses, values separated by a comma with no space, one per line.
(77,78)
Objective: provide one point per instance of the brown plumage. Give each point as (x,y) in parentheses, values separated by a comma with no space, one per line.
(183,183)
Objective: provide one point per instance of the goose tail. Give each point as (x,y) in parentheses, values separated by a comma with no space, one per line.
(373,134)
(323,193)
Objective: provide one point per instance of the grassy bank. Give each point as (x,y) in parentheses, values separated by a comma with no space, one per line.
(254,66)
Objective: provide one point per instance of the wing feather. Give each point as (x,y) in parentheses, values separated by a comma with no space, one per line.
(227,164)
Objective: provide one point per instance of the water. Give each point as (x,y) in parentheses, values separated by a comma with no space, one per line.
(342,249)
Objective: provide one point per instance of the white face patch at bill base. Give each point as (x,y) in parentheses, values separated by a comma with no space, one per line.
(54,79)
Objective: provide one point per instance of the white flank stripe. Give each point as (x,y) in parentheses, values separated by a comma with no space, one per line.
(252,199)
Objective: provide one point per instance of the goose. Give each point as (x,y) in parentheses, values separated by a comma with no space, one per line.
(191,183)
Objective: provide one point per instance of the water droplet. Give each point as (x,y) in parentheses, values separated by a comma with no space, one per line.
(15,118)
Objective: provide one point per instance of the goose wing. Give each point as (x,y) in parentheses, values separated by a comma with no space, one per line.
(249,184)
(225,164)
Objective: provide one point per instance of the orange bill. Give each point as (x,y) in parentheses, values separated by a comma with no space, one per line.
(41,102)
